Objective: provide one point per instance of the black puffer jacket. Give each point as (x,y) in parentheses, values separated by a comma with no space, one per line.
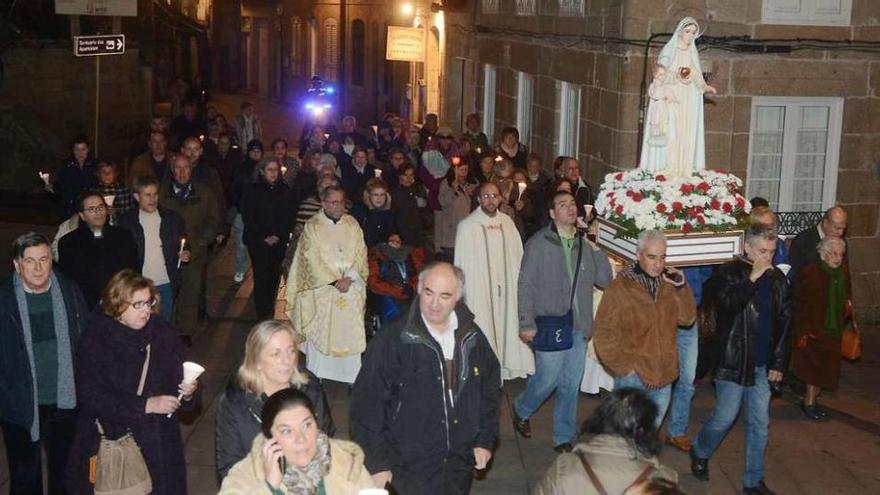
(238,420)
(733,298)
(401,414)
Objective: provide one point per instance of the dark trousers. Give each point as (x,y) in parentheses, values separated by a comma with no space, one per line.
(449,476)
(267,271)
(25,457)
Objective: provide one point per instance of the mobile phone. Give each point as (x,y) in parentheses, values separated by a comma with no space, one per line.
(675,277)
(282,464)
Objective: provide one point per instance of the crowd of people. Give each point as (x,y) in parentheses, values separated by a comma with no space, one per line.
(421,267)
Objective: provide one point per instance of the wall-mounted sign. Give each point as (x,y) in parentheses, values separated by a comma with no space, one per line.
(406,44)
(124,8)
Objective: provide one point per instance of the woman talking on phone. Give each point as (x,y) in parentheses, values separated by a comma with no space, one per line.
(271,363)
(294,457)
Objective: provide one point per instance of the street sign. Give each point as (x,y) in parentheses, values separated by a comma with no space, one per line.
(125,8)
(92,46)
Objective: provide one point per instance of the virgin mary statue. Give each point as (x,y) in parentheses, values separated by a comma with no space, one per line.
(674,137)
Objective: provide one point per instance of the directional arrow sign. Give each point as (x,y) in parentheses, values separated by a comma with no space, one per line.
(91,46)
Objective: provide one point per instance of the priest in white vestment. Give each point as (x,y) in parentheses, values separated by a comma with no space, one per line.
(327,292)
(489,250)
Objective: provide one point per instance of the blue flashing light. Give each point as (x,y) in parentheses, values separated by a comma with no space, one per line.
(310,106)
(329,90)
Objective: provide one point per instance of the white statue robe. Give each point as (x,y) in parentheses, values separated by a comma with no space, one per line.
(489,251)
(330,321)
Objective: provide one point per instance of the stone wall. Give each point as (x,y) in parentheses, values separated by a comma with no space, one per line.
(48,96)
(611,75)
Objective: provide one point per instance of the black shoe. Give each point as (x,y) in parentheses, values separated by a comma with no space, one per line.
(812,412)
(821,410)
(759,489)
(522,426)
(699,467)
(563,448)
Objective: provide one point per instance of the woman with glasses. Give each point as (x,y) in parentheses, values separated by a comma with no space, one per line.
(129,378)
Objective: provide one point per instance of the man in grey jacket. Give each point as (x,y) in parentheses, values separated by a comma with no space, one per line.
(548,269)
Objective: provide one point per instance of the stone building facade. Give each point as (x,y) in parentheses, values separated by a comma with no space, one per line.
(800,124)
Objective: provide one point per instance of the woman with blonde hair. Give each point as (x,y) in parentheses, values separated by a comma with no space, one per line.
(129,377)
(271,363)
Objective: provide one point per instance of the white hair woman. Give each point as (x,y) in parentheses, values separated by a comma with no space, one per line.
(271,363)
(820,297)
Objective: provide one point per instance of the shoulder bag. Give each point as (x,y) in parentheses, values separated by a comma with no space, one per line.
(555,333)
(600,488)
(119,468)
(851,339)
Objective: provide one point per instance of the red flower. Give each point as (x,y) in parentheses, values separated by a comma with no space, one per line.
(661,208)
(721,170)
(686,228)
(609,194)
(637,197)
(612,203)
(727,207)
(702,186)
(670,218)
(699,209)
(618,177)
(692,213)
(676,206)
(629,193)
(660,178)
(686,188)
(619,210)
(740,202)
(715,204)
(701,220)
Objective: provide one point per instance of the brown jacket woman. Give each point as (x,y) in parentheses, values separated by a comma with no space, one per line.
(817,360)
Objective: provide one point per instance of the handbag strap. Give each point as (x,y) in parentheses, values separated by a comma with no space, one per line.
(144,372)
(598,484)
(592,475)
(577,270)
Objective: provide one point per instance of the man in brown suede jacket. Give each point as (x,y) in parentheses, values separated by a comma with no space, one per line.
(634,332)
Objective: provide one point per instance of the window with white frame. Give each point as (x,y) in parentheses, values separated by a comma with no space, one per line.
(525,84)
(526,7)
(489,78)
(568,125)
(571,7)
(807,12)
(794,149)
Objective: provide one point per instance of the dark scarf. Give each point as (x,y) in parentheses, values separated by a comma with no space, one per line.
(836,300)
(181,191)
(635,273)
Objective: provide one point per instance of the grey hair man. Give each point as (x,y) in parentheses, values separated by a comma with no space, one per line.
(635,329)
(752,309)
(803,247)
(44,315)
(457,388)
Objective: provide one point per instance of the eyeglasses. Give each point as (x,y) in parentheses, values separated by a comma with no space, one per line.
(95,209)
(489,196)
(149,303)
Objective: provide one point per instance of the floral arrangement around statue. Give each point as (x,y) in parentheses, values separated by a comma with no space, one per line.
(640,200)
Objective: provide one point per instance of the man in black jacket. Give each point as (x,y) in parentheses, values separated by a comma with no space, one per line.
(43,316)
(803,247)
(583,193)
(96,250)
(752,306)
(425,404)
(158,234)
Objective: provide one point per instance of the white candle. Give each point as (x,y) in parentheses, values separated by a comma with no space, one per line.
(378,173)
(522,187)
(588,209)
(44,176)
(182,245)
